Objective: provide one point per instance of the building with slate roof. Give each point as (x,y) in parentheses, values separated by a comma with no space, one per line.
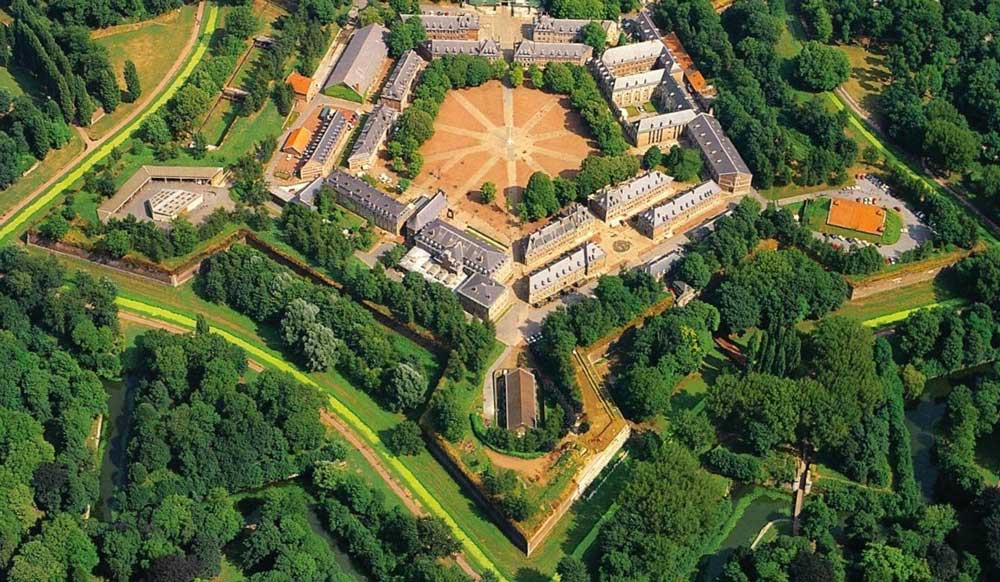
(719,154)
(529,52)
(622,201)
(586,262)
(635,58)
(548,29)
(483,297)
(662,220)
(435,49)
(660,267)
(396,93)
(361,61)
(563,233)
(464,26)
(371,138)
(645,27)
(455,250)
(428,209)
(320,156)
(368,202)
(519,391)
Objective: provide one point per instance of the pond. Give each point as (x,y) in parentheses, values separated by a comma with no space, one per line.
(114,441)
(761,511)
(920,421)
(343,560)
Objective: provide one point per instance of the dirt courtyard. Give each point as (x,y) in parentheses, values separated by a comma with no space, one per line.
(502,135)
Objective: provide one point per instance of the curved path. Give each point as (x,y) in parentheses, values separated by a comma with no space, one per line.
(93,151)
(360,435)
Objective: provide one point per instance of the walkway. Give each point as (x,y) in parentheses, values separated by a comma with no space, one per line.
(92,147)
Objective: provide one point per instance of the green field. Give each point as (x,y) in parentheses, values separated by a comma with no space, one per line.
(55,162)
(343,92)
(818,209)
(153,45)
(869,76)
(9,83)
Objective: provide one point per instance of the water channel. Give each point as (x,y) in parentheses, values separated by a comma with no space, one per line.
(761,511)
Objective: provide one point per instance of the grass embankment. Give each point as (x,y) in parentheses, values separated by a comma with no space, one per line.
(343,92)
(153,45)
(11,229)
(53,163)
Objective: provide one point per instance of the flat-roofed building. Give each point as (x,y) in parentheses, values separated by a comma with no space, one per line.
(435,49)
(563,233)
(662,220)
(169,203)
(622,201)
(361,61)
(483,297)
(634,58)
(371,137)
(203,176)
(548,29)
(463,26)
(297,141)
(368,202)
(587,261)
(427,210)
(520,399)
(719,154)
(418,260)
(396,93)
(321,155)
(457,250)
(529,52)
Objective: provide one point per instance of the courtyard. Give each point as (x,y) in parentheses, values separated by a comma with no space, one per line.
(494,133)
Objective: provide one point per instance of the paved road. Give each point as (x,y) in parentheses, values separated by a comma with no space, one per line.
(91,145)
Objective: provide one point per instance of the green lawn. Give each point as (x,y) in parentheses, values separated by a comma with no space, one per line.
(818,209)
(153,45)
(869,76)
(53,163)
(343,92)
(9,83)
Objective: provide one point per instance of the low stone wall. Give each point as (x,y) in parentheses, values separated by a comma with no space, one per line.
(910,274)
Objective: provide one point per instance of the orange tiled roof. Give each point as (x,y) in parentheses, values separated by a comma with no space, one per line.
(300,83)
(298,140)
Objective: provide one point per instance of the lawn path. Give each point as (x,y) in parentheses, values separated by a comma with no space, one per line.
(35,202)
(358,428)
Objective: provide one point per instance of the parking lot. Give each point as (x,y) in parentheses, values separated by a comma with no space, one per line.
(871,190)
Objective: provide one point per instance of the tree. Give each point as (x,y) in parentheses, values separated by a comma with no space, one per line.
(571,569)
(652,158)
(241,22)
(405,36)
(913,382)
(132,85)
(819,67)
(949,147)
(405,438)
(558,78)
(694,270)
(320,347)
(539,197)
(516,75)
(447,414)
(488,191)
(183,235)
(405,388)
(536,77)
(116,243)
(54,227)
(593,34)
(684,164)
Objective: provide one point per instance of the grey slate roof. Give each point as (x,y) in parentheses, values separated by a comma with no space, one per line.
(570,26)
(679,204)
(402,76)
(572,263)
(661,266)
(553,50)
(374,131)
(431,210)
(610,197)
(481,290)
(481,48)
(369,201)
(556,230)
(629,53)
(446,22)
(706,132)
(321,149)
(360,62)
(646,27)
(442,239)
(644,79)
